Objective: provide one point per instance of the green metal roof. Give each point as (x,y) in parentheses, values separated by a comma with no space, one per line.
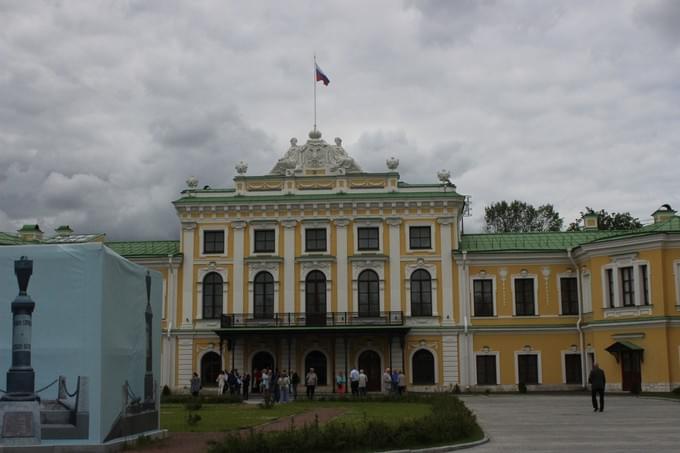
(11,239)
(550,241)
(288,198)
(30,228)
(145,249)
(557,240)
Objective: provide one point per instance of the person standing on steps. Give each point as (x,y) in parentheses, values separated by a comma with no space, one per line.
(363,383)
(597,382)
(195,384)
(311,380)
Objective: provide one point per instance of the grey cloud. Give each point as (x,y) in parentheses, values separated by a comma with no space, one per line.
(661,16)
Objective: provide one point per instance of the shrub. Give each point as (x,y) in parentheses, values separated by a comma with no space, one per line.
(205,399)
(193,405)
(193,419)
(676,390)
(166,391)
(456,389)
(522,387)
(449,421)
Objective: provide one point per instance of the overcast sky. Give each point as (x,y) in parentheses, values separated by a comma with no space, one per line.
(106,107)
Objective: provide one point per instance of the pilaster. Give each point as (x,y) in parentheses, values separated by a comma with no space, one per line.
(395,264)
(341,260)
(447,269)
(289,265)
(238,264)
(188,230)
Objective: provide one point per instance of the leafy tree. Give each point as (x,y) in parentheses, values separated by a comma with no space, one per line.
(607,221)
(520,217)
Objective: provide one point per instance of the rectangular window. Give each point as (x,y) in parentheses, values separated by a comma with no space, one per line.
(265,241)
(627,289)
(483,294)
(527,368)
(524,297)
(213,241)
(368,238)
(569,293)
(315,240)
(420,237)
(645,284)
(572,368)
(610,287)
(486,370)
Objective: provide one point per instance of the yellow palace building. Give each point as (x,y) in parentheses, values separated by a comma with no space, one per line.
(321,264)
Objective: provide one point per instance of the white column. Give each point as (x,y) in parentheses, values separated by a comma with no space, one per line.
(188,229)
(447,268)
(450,358)
(289,265)
(341,261)
(238,227)
(395,265)
(185,362)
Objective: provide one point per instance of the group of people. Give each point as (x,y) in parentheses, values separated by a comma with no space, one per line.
(233,382)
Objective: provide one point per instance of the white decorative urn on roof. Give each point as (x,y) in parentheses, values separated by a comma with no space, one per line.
(192,182)
(444,176)
(241,168)
(392,163)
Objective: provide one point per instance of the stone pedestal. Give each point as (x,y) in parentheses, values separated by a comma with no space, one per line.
(20,423)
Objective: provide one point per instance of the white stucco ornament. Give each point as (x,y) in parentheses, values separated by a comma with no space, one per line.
(392,163)
(192,182)
(444,176)
(241,168)
(316,155)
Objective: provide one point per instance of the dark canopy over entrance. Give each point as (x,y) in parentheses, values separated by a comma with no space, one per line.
(630,356)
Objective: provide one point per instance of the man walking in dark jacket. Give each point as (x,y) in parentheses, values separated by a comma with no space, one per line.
(597,383)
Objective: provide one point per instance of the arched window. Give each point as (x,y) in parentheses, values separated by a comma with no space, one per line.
(212,296)
(422,366)
(210,368)
(264,295)
(421,293)
(369,294)
(315,298)
(317,360)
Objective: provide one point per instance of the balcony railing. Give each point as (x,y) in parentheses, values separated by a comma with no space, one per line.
(329,319)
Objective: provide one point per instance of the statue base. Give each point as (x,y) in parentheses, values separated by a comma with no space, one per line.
(20,423)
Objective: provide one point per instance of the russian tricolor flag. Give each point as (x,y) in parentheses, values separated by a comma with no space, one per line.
(320,76)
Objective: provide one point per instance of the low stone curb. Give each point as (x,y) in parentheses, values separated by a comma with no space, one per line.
(444,448)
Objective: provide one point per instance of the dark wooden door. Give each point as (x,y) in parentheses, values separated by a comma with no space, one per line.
(369,361)
(630,370)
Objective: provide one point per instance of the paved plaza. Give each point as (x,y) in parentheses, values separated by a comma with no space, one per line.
(567,423)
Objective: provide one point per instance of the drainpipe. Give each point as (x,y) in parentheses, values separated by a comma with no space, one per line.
(466,324)
(580,319)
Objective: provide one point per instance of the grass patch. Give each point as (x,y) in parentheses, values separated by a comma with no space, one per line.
(217,417)
(447,421)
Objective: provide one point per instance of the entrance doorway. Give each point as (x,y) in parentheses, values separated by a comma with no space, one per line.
(631,378)
(260,361)
(210,369)
(369,361)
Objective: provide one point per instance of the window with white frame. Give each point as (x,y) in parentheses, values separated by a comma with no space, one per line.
(265,241)
(569,295)
(420,237)
(486,369)
(213,241)
(368,238)
(527,369)
(525,297)
(626,284)
(315,240)
(483,296)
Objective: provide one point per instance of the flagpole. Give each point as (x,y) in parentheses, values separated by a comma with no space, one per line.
(314,91)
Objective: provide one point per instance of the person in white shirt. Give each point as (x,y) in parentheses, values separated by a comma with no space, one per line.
(363,382)
(220,383)
(387,381)
(354,381)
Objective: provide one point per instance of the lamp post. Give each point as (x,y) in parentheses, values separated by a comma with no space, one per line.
(148,316)
(21,377)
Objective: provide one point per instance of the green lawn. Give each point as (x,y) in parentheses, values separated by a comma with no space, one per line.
(225,417)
